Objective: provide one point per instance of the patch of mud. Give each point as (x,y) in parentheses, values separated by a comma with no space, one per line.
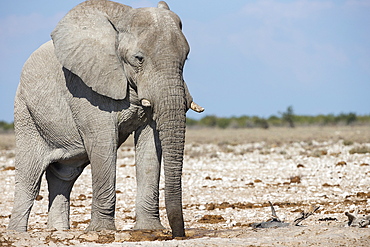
(211,219)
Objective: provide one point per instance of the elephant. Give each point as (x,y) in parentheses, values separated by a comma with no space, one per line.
(108,71)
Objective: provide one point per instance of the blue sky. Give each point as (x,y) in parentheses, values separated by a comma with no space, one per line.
(247,57)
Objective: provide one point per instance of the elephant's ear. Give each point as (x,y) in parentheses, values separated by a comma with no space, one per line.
(163,5)
(85,44)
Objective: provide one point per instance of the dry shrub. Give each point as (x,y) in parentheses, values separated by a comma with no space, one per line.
(7,141)
(360,150)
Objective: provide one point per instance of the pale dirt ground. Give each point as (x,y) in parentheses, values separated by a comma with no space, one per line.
(229,177)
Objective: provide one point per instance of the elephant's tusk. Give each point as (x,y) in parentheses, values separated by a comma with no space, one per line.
(195,107)
(145,102)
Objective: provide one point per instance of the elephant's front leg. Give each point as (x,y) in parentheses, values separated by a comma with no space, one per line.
(148,166)
(102,153)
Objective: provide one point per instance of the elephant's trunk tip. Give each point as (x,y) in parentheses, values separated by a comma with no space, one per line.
(195,107)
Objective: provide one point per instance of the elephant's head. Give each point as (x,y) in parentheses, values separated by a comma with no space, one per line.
(111,46)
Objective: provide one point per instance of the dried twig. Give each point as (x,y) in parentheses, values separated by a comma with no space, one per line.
(356,220)
(276,222)
(273,212)
(304,215)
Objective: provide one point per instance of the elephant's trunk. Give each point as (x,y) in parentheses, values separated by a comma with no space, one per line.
(171,117)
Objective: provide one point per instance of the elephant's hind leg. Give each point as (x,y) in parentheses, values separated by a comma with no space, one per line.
(60,182)
(30,163)
(27,186)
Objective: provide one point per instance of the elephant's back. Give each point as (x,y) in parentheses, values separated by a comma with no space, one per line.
(41,71)
(40,98)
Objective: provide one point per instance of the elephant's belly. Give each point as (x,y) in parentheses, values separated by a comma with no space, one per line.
(72,158)
(68,166)
(64,172)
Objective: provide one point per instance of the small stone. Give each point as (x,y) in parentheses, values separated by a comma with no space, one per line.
(211,219)
(62,235)
(122,236)
(89,237)
(341,163)
(81,197)
(295,179)
(210,206)
(39,197)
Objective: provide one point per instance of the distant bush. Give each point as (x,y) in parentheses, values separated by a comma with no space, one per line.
(4,126)
(287,118)
(208,121)
(360,150)
(191,122)
(260,122)
(274,120)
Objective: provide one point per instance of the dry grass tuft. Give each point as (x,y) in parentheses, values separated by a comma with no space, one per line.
(360,150)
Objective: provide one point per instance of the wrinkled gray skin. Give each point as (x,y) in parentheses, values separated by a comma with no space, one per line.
(80,97)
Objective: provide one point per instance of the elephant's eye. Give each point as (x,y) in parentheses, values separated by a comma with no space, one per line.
(139,58)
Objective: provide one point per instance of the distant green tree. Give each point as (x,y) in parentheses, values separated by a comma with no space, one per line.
(347,118)
(363,119)
(260,122)
(288,116)
(223,123)
(191,122)
(329,119)
(6,126)
(257,122)
(242,121)
(209,121)
(274,120)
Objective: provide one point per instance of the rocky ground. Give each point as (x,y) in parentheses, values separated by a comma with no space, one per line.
(229,177)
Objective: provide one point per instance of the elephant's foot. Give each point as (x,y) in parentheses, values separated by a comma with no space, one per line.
(13,227)
(18,220)
(58,216)
(57,226)
(101,224)
(148,225)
